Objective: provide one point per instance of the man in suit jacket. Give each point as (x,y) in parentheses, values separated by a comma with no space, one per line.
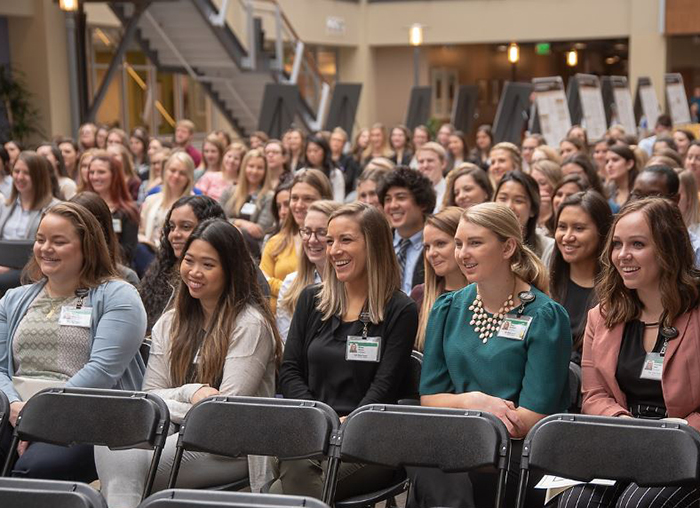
(408,197)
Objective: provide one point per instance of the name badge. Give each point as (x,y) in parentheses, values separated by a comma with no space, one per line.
(363,349)
(514,328)
(653,367)
(248,209)
(70,316)
(117,225)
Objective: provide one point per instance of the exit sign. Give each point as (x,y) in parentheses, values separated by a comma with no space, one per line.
(543,48)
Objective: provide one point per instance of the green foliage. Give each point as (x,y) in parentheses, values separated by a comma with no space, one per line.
(17,102)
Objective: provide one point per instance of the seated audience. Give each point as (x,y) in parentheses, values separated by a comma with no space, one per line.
(358,303)
(83,168)
(107,179)
(408,198)
(457,149)
(546,152)
(378,145)
(568,185)
(571,146)
(481,153)
(184,132)
(600,150)
(400,144)
(250,205)
(688,201)
(276,156)
(318,156)
(138,146)
(432,163)
(480,355)
(520,193)
(442,273)
(311,265)
(621,167)
(70,152)
(66,184)
(647,316)
(133,182)
(45,339)
(86,136)
(13,148)
(5,173)
(581,164)
(279,257)
(683,138)
(210,179)
(505,157)
(219,339)
(582,224)
(154,182)
(369,181)
(467,185)
(530,143)
(547,174)
(21,212)
(421,135)
(692,160)
(295,143)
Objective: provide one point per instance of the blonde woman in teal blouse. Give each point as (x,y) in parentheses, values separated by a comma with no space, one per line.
(499,345)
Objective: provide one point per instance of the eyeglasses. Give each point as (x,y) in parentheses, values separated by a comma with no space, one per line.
(306,234)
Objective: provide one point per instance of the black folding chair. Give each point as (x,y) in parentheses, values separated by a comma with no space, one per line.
(411,395)
(584,447)
(4,414)
(15,253)
(15,492)
(239,426)
(182,498)
(452,440)
(117,419)
(575,388)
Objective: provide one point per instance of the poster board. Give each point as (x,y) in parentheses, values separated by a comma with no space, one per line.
(552,109)
(617,100)
(676,99)
(585,100)
(513,113)
(646,104)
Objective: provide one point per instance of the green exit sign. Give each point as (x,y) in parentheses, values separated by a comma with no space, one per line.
(543,48)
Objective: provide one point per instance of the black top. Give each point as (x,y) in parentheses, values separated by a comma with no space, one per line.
(314,365)
(645,398)
(577,302)
(129,236)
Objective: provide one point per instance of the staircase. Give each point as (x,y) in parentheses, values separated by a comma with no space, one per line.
(192,37)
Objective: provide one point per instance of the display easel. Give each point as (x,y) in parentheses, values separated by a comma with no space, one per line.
(552,110)
(617,100)
(586,105)
(512,113)
(343,108)
(464,107)
(418,107)
(279,107)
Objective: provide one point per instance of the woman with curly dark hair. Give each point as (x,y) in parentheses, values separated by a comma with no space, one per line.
(158,285)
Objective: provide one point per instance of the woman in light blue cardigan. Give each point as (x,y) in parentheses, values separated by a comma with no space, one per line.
(78,325)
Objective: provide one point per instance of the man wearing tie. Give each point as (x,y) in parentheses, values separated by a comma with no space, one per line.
(408,197)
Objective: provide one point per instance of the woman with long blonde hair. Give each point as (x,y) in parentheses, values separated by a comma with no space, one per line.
(250,205)
(311,267)
(378,144)
(350,340)
(442,273)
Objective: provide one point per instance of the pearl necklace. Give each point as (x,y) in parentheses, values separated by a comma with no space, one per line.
(484,324)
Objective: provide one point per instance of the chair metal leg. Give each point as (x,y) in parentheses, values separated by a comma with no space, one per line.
(152,472)
(176,467)
(331,480)
(11,457)
(522,488)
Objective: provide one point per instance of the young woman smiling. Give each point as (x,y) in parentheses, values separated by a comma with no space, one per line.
(504,157)
(76,325)
(621,167)
(467,185)
(281,252)
(648,316)
(219,339)
(318,156)
(350,340)
(311,266)
(106,178)
(250,206)
(211,181)
(442,273)
(499,345)
(582,224)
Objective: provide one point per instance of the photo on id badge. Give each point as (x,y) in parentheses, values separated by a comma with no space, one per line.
(514,327)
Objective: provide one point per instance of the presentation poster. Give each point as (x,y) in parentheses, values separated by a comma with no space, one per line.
(552,109)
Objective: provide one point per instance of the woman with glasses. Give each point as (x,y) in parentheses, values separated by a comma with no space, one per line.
(311,265)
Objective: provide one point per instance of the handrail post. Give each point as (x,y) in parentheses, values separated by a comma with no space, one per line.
(251,61)
(279,49)
(298,58)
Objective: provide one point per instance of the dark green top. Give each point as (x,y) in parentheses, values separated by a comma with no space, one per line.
(532,373)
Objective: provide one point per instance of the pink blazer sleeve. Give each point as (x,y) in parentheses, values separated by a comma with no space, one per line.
(598,369)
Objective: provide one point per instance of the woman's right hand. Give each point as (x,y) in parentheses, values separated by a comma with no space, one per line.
(502,409)
(203,393)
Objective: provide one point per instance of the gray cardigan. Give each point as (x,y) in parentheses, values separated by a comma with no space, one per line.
(6,212)
(118,325)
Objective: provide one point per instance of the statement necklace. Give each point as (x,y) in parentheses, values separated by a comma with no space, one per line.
(483,323)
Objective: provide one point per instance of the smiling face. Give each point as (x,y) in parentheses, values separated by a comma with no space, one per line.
(367,193)
(600,150)
(692,161)
(182,223)
(211,155)
(100,176)
(398,139)
(468,192)
(314,155)
(501,163)
(682,142)
(176,176)
(313,237)
(153,146)
(84,168)
(274,155)
(545,187)
(22,180)
(70,156)
(439,250)
(136,146)
(113,139)
(403,212)
(347,249)
(301,196)
(633,253)
(202,273)
(529,145)
(564,192)
(255,172)
(479,253)
(576,235)
(58,249)
(232,161)
(514,196)
(455,145)
(282,200)
(430,165)
(483,141)
(420,137)
(101,138)
(376,138)
(566,149)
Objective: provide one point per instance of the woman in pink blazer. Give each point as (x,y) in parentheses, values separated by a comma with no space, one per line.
(641,343)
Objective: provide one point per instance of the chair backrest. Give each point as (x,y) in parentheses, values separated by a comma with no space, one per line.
(412,381)
(4,414)
(238,426)
(450,439)
(48,494)
(575,387)
(15,253)
(584,447)
(113,418)
(181,498)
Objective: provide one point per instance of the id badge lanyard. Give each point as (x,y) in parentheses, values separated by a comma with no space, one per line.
(653,365)
(363,348)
